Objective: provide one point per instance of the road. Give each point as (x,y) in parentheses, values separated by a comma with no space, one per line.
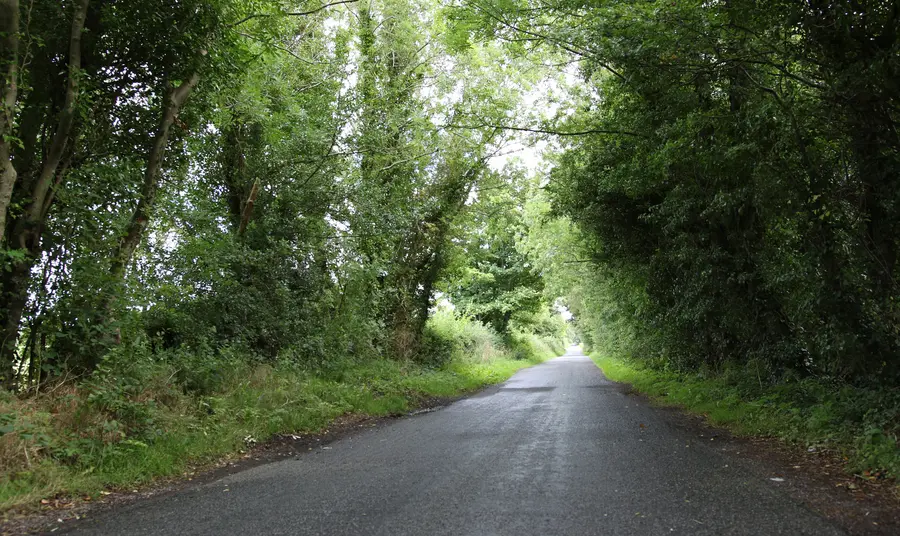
(556,450)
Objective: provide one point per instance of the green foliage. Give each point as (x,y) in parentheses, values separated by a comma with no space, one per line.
(727,213)
(256,254)
(724,200)
(498,283)
(460,339)
(734,193)
(304,201)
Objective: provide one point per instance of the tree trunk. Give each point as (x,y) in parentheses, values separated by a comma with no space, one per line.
(9,56)
(25,233)
(36,211)
(15,293)
(247,213)
(141,217)
(134,233)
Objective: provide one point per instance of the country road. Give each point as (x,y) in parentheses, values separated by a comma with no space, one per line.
(556,450)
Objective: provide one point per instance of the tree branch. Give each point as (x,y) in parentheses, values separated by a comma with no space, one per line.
(291,14)
(66,119)
(552,132)
(565,45)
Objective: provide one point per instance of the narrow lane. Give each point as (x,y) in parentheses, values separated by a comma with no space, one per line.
(557,449)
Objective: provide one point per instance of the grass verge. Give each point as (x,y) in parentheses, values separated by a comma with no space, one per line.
(861,424)
(79,440)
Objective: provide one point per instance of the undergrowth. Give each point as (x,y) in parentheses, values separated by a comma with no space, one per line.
(128,426)
(861,424)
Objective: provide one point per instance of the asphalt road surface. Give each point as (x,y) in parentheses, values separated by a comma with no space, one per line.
(556,450)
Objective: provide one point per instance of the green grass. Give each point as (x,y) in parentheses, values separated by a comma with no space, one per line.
(67,443)
(861,424)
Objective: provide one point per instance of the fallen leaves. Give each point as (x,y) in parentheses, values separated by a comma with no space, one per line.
(849,486)
(874,475)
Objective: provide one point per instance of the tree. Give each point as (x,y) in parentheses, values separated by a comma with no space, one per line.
(498,282)
(721,181)
(25,232)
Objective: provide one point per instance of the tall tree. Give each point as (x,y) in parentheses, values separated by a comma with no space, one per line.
(9,55)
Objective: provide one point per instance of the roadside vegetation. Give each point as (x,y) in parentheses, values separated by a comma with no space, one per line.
(854,422)
(130,424)
(724,215)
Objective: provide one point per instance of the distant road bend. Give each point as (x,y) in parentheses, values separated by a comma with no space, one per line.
(556,450)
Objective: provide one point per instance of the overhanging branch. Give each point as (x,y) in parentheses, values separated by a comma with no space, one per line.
(291,13)
(552,132)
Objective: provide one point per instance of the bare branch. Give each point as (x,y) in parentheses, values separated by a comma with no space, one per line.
(553,132)
(291,14)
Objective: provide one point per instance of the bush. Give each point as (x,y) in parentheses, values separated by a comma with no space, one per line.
(450,336)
